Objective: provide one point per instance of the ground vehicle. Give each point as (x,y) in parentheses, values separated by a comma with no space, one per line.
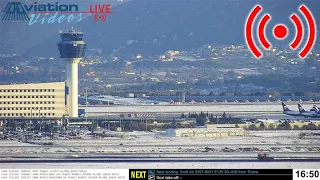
(264,156)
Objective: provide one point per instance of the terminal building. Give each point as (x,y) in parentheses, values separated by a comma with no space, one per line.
(33,100)
(209,131)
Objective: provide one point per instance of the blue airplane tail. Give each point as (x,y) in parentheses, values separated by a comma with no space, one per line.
(316,109)
(301,108)
(284,106)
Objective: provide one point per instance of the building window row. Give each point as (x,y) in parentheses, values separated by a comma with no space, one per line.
(28,102)
(26,97)
(27,108)
(27,114)
(27,90)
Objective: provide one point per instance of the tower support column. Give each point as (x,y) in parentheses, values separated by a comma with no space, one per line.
(72,84)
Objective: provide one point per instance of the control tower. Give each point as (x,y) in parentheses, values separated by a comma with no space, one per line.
(72,48)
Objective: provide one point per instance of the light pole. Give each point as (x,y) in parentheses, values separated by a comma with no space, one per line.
(105,123)
(120,124)
(146,125)
(41,125)
(86,110)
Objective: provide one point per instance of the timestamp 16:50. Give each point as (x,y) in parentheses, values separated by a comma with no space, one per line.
(309,173)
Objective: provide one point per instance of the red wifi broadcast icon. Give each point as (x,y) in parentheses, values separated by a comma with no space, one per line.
(100,16)
(280,31)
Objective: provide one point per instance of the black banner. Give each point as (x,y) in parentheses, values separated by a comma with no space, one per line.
(186,174)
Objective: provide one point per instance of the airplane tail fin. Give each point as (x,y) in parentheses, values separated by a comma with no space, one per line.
(284,106)
(301,108)
(316,109)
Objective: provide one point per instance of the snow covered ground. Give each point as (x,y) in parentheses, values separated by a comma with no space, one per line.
(12,143)
(145,142)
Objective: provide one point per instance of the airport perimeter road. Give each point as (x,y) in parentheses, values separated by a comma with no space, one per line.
(156,155)
(165,145)
(165,165)
(155,160)
(158,160)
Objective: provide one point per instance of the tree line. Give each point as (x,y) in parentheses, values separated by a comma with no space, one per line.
(283,126)
(204,118)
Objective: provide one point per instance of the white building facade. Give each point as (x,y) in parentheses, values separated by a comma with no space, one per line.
(42,100)
(206,132)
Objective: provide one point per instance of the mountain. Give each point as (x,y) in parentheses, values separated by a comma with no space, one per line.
(154,26)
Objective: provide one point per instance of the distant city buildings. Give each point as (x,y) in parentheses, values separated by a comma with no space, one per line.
(206,67)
